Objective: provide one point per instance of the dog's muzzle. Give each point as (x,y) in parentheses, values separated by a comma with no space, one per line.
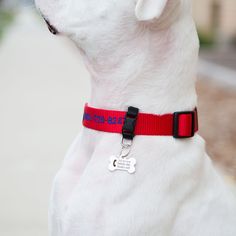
(51,28)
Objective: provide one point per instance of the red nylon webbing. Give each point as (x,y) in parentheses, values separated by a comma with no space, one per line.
(147,124)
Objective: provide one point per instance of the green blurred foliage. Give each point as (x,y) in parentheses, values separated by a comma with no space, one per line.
(206,39)
(6,18)
(233,41)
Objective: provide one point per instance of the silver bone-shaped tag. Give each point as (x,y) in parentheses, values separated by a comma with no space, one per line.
(124,164)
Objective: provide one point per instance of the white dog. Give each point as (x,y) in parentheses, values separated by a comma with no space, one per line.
(141,53)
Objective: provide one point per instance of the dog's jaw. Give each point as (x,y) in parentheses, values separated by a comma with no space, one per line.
(52,12)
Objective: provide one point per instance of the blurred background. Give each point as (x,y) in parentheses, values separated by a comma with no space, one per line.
(44,85)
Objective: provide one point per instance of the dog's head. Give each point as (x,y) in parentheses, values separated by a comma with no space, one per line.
(104,22)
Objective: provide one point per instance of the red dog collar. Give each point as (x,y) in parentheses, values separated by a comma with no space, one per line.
(179,124)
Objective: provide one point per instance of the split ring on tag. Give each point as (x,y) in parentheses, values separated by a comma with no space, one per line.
(125,147)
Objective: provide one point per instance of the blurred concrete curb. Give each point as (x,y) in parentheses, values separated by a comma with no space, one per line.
(222,75)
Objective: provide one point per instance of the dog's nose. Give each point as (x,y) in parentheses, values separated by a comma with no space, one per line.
(51,28)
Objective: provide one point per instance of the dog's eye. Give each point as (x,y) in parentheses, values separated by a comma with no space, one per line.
(51,28)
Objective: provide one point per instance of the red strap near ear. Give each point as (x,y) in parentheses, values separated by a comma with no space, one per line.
(147,124)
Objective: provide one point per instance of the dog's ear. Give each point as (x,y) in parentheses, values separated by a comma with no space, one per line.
(147,10)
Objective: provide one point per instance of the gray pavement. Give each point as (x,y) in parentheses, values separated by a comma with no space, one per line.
(43,86)
(219,65)
(223,56)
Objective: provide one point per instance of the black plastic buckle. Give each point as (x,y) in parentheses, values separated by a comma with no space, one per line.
(130,123)
(176,116)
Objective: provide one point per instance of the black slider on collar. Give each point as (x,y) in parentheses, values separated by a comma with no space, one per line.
(130,123)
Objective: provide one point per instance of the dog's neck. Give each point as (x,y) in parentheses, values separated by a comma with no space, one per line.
(154,71)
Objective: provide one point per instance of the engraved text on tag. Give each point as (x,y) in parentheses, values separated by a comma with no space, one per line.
(124,164)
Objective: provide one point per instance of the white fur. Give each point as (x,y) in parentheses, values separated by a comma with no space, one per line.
(141,53)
